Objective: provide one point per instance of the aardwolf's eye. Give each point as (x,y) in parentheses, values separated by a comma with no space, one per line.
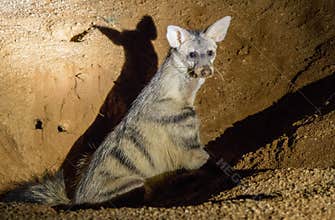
(192,54)
(210,53)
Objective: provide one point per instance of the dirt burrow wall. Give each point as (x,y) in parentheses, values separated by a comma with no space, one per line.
(59,75)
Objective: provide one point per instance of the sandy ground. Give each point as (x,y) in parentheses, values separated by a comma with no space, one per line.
(267,116)
(265,194)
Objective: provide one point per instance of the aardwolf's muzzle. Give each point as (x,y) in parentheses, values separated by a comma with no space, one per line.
(203,71)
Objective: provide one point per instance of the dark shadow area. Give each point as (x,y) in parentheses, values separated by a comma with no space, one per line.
(140,65)
(259,129)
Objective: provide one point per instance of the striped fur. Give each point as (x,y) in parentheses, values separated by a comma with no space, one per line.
(160,133)
(48,190)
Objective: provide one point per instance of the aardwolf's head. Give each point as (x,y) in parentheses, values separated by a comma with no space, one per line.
(196,50)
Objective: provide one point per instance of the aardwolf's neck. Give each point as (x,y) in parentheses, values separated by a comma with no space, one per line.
(172,82)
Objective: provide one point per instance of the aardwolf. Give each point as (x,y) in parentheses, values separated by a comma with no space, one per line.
(160,133)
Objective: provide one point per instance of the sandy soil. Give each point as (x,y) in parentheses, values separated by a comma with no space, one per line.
(264,194)
(269,112)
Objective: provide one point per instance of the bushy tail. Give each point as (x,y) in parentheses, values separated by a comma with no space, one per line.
(49,189)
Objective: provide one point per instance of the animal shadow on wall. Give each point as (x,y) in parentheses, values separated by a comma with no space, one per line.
(140,65)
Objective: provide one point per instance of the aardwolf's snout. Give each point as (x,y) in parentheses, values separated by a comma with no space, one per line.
(204,71)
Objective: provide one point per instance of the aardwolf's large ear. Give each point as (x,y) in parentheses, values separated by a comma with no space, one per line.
(177,35)
(218,30)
